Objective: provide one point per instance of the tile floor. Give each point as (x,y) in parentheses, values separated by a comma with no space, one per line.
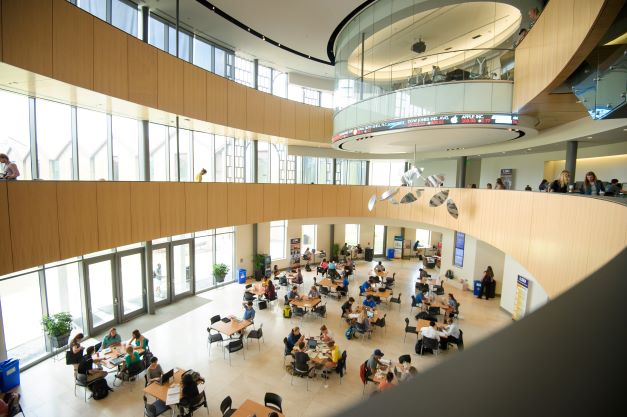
(47,389)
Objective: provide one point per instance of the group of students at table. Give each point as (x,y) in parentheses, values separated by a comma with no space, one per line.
(360,316)
(402,372)
(296,345)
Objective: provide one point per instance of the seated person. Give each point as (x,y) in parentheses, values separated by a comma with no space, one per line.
(249,311)
(374,362)
(614,188)
(154,371)
(189,390)
(370,302)
(379,267)
(344,285)
(75,344)
(387,383)
(363,322)
(364,287)
(324,265)
(307,254)
(270,292)
(325,334)
(431,332)
(347,307)
(344,249)
(421,299)
(450,333)
(111,339)
(332,266)
(313,292)
(359,249)
(298,278)
(275,271)
(408,372)
(139,339)
(452,303)
(335,354)
(86,369)
(131,357)
(294,338)
(293,294)
(301,360)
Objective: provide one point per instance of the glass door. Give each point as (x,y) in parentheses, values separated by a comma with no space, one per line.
(160,273)
(182,268)
(379,236)
(131,283)
(102,298)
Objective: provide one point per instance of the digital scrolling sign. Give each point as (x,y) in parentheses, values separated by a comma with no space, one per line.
(437,120)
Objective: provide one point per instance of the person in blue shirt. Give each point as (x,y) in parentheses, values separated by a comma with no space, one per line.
(293,294)
(369,302)
(345,282)
(293,339)
(364,287)
(249,311)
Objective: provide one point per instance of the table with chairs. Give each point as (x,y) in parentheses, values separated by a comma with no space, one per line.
(273,403)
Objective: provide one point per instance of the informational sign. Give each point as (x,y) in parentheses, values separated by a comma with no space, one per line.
(507,175)
(520,300)
(295,253)
(398,247)
(460,243)
(435,120)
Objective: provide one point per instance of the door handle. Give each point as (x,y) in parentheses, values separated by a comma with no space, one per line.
(115,301)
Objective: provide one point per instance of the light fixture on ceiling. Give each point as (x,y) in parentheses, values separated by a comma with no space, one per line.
(448,49)
(476,36)
(589,137)
(419,47)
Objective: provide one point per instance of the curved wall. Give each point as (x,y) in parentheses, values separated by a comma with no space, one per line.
(560,239)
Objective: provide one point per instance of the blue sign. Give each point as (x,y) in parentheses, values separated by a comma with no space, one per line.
(523,281)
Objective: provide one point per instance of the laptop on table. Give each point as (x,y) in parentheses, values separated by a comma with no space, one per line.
(166,377)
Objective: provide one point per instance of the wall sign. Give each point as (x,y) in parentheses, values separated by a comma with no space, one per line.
(520,301)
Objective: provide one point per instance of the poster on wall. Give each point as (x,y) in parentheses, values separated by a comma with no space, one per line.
(520,300)
(398,247)
(295,253)
(507,175)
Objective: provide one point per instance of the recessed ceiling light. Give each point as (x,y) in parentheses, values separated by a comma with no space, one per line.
(448,49)
(528,149)
(476,36)
(589,137)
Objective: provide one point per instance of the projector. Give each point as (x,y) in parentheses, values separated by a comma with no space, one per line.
(419,47)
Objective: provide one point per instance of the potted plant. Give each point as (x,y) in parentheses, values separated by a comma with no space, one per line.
(335,251)
(259,263)
(58,328)
(220,271)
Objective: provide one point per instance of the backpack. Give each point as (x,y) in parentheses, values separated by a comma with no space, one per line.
(425,316)
(99,389)
(287,312)
(262,305)
(146,359)
(350,332)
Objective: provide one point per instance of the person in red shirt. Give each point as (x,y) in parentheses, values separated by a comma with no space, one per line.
(387,384)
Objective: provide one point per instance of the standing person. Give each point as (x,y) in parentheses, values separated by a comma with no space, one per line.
(10,168)
(499,184)
(489,186)
(560,185)
(198,177)
(544,185)
(591,185)
(486,281)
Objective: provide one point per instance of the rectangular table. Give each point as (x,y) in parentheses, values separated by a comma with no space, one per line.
(326,282)
(161,391)
(425,323)
(257,289)
(380,294)
(250,407)
(306,302)
(116,352)
(233,326)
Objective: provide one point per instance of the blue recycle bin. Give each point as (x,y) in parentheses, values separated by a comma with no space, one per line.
(390,253)
(477,288)
(9,374)
(241,276)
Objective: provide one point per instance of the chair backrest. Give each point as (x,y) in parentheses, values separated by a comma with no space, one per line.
(413,301)
(215,319)
(226,404)
(235,345)
(404,359)
(135,368)
(406,323)
(363,373)
(258,333)
(324,290)
(273,399)
(429,343)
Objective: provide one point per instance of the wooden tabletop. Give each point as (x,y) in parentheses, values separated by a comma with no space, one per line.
(380,274)
(250,407)
(425,323)
(380,294)
(233,326)
(326,282)
(161,391)
(374,318)
(116,352)
(306,302)
(257,289)
(379,376)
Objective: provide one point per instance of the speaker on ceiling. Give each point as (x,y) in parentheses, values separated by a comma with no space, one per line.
(419,47)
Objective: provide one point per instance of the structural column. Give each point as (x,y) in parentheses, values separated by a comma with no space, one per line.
(571,159)
(150,299)
(460,181)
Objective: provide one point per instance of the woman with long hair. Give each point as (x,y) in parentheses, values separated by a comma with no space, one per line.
(544,185)
(486,282)
(499,184)
(560,185)
(591,185)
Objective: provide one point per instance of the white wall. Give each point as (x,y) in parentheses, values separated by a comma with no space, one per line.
(605,168)
(447,167)
(487,255)
(473,171)
(244,248)
(536,296)
(389,242)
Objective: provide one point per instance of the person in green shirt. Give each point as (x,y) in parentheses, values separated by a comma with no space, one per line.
(111,339)
(131,357)
(139,340)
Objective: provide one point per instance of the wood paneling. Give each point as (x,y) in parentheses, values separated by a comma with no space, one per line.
(217,205)
(272,115)
(34,223)
(78,227)
(327,116)
(301,122)
(73,45)
(170,83)
(145,211)
(27,34)
(286,199)
(356,207)
(196,207)
(271,201)
(6,255)
(316,124)
(172,208)
(142,73)
(236,202)
(217,99)
(253,204)
(300,201)
(288,129)
(366,193)
(254,110)
(329,200)
(236,105)
(114,214)
(194,91)
(110,60)
(314,200)
(343,201)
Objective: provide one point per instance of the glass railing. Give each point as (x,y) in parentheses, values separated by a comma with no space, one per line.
(423,70)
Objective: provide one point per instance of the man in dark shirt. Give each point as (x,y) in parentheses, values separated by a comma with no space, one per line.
(85,368)
(347,307)
(301,360)
(294,338)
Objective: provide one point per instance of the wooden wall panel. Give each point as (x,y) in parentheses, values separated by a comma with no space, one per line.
(356,208)
(217,99)
(342,203)
(170,83)
(110,60)
(196,207)
(301,121)
(172,208)
(380,207)
(272,115)
(27,34)
(145,211)
(236,98)
(286,199)
(271,201)
(253,204)
(254,110)
(73,45)
(367,191)
(316,124)
(34,223)
(114,214)
(78,227)
(314,200)
(329,200)
(143,64)
(327,115)
(194,92)
(237,194)
(288,109)
(217,205)
(301,193)
(6,255)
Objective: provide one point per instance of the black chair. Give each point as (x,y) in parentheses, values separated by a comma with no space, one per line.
(214,337)
(249,297)
(300,372)
(428,343)
(273,401)
(225,407)
(460,340)
(325,291)
(129,374)
(404,359)
(321,310)
(396,300)
(155,409)
(298,312)
(341,366)
(320,270)
(409,329)
(287,352)
(235,346)
(381,322)
(80,380)
(97,346)
(187,408)
(256,334)
(413,303)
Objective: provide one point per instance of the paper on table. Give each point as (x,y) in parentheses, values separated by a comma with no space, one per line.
(174,395)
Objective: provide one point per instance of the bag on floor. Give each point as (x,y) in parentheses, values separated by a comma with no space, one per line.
(287,312)
(307,268)
(263,305)
(423,315)
(99,389)
(418,346)
(350,332)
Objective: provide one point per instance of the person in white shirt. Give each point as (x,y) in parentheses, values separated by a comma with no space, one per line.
(379,267)
(451,330)
(431,332)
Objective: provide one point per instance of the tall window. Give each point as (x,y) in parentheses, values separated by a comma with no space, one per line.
(264,79)
(277,239)
(125,15)
(203,154)
(15,132)
(184,159)
(203,54)
(96,7)
(263,161)
(93,156)
(220,158)
(203,268)
(54,140)
(244,72)
(310,170)
(125,149)
(386,172)
(326,99)
(295,92)
(158,148)
(309,237)
(220,61)
(225,250)
(351,234)
(311,97)
(423,236)
(63,292)
(279,83)
(157,32)
(379,235)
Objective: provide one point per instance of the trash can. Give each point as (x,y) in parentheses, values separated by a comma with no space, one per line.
(9,374)
(241,274)
(390,253)
(477,288)
(369,254)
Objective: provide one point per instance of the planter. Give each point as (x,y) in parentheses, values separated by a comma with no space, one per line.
(57,342)
(219,278)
